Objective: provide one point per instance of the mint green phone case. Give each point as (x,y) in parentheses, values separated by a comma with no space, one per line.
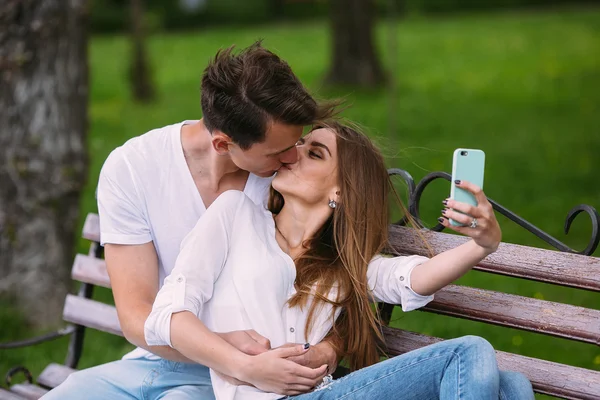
(467,165)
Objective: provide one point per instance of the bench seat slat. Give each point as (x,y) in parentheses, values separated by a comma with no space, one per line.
(557,319)
(54,374)
(28,391)
(572,270)
(92,314)
(6,395)
(546,377)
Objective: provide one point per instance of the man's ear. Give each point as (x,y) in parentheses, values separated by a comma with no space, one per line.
(221,142)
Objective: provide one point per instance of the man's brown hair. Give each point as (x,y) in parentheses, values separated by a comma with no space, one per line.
(243,93)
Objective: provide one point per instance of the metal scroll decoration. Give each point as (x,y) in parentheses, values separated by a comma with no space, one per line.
(415,193)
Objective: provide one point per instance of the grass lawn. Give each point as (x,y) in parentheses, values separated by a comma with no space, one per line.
(525,88)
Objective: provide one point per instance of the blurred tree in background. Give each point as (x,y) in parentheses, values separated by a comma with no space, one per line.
(355,60)
(43,156)
(111,15)
(140,72)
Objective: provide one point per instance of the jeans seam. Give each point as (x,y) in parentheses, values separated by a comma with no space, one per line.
(502,394)
(153,374)
(458,375)
(393,372)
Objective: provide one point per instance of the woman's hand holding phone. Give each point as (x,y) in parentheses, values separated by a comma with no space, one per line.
(486,233)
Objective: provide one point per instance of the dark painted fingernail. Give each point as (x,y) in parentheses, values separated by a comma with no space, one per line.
(457,181)
(306,346)
(444,211)
(445,202)
(441,220)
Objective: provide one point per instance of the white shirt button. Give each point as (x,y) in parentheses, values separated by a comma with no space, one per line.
(292,329)
(180,279)
(401,278)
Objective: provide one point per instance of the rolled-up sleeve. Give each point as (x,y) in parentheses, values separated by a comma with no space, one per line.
(199,264)
(389,281)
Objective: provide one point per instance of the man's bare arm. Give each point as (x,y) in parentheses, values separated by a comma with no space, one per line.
(133,272)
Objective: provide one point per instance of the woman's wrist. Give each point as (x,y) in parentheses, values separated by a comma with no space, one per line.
(482,252)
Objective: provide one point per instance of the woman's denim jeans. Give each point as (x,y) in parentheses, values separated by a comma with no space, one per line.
(463,368)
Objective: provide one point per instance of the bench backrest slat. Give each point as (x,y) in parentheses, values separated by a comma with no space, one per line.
(90,269)
(503,309)
(93,314)
(547,377)
(556,319)
(91,228)
(550,266)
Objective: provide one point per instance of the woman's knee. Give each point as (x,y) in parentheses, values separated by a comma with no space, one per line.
(479,357)
(477,345)
(515,386)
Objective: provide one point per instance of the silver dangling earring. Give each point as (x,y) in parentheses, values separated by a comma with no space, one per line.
(332,204)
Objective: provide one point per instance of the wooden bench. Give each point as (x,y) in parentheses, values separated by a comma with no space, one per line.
(529,314)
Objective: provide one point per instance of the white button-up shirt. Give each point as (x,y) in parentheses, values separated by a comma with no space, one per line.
(232,274)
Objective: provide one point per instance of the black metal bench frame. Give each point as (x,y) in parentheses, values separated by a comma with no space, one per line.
(449,301)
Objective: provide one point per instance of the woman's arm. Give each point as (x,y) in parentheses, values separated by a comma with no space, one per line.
(173,320)
(432,275)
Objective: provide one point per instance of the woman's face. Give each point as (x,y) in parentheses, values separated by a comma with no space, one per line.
(314,177)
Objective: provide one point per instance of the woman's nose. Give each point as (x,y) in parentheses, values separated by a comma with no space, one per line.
(290,156)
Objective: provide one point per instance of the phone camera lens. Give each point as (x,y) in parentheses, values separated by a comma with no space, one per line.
(464,153)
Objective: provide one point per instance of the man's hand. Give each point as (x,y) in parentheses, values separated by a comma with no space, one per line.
(317,355)
(248,341)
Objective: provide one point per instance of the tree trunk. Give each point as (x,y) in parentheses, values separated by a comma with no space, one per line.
(43,153)
(140,74)
(355,60)
(277,8)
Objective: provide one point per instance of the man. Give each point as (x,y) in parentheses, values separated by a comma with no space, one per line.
(154,188)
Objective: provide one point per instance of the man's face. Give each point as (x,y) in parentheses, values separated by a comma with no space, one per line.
(264,159)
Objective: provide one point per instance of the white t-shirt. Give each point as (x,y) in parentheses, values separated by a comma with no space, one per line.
(146,193)
(232,274)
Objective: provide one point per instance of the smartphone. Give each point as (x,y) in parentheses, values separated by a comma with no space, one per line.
(467,165)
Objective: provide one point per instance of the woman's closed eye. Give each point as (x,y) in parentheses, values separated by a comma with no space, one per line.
(314,154)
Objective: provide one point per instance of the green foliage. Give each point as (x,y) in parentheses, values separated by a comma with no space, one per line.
(523,87)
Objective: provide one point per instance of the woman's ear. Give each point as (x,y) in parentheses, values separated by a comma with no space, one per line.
(335,195)
(221,142)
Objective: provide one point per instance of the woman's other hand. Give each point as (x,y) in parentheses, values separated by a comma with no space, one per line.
(272,372)
(487,233)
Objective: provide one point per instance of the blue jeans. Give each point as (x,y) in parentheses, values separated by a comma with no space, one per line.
(137,379)
(463,368)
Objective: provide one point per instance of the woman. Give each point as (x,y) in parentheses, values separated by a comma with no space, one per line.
(288,273)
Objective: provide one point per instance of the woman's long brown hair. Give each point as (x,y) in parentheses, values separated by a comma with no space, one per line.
(333,268)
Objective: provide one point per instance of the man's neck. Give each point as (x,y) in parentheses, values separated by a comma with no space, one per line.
(206,165)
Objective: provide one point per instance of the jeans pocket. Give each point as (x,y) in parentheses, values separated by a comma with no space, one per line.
(170,366)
